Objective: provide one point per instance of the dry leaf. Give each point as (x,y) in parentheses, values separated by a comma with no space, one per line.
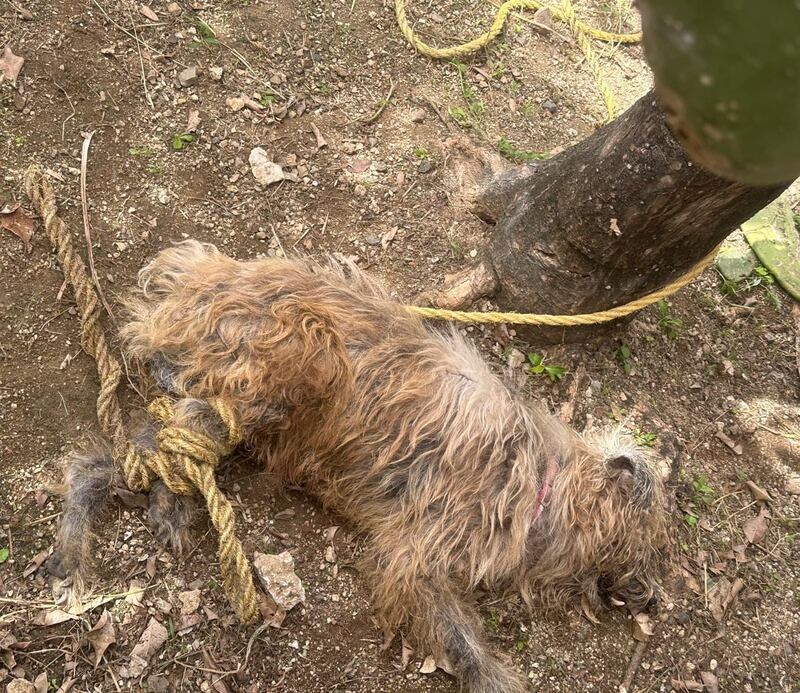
(66,686)
(757,492)
(320,139)
(722,595)
(53,617)
(145,11)
(187,622)
(150,642)
(642,627)
(360,165)
(193,121)
(682,685)
(388,237)
(101,635)
(735,447)
(16,219)
(710,681)
(40,683)
(10,65)
(428,666)
(755,529)
(35,563)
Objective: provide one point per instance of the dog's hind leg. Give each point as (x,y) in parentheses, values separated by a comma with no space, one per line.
(88,479)
(442,621)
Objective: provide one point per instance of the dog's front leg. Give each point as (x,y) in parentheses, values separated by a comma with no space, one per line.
(440,620)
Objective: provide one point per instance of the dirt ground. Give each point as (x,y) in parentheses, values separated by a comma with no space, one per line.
(714,374)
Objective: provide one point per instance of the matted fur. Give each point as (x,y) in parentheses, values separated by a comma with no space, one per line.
(407,432)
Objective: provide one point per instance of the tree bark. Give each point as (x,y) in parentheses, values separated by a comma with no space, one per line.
(608,220)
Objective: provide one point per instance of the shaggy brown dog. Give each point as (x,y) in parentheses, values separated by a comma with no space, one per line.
(403,430)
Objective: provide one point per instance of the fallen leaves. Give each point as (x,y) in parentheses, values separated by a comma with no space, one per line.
(193,121)
(758,493)
(52,617)
(15,218)
(101,636)
(642,627)
(755,529)
(10,65)
(722,596)
(150,642)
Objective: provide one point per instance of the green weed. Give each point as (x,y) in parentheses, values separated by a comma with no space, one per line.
(539,367)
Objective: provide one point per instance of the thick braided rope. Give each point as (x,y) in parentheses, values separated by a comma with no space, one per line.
(565,13)
(184,460)
(569,320)
(93,338)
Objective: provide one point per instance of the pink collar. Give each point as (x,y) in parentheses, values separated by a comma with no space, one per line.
(547,484)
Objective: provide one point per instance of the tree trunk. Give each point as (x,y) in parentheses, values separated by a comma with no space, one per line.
(611,219)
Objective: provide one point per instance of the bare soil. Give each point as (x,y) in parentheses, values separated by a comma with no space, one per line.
(730,367)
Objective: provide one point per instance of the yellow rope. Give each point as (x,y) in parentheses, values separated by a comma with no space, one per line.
(569,320)
(185,460)
(582,32)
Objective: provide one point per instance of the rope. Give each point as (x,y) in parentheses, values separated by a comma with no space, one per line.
(582,32)
(569,320)
(184,460)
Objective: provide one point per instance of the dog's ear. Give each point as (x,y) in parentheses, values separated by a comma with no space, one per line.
(632,475)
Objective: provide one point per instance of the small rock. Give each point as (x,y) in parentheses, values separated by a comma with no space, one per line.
(549,106)
(235,103)
(189,76)
(174,9)
(793,487)
(277,576)
(425,166)
(372,239)
(544,17)
(515,359)
(418,115)
(359,191)
(190,601)
(20,686)
(215,73)
(157,683)
(264,171)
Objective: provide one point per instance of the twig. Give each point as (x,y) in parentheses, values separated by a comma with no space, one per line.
(133,36)
(258,631)
(87,140)
(568,408)
(383,104)
(633,665)
(278,240)
(71,105)
(141,60)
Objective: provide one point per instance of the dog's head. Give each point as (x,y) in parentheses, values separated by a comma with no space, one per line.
(601,535)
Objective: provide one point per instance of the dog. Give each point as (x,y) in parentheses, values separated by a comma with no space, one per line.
(403,429)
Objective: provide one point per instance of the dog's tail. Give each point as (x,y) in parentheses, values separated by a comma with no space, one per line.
(88,481)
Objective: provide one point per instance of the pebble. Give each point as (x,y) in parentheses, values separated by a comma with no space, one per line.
(264,171)
(549,106)
(174,9)
(215,73)
(359,191)
(418,115)
(277,576)
(189,76)
(425,166)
